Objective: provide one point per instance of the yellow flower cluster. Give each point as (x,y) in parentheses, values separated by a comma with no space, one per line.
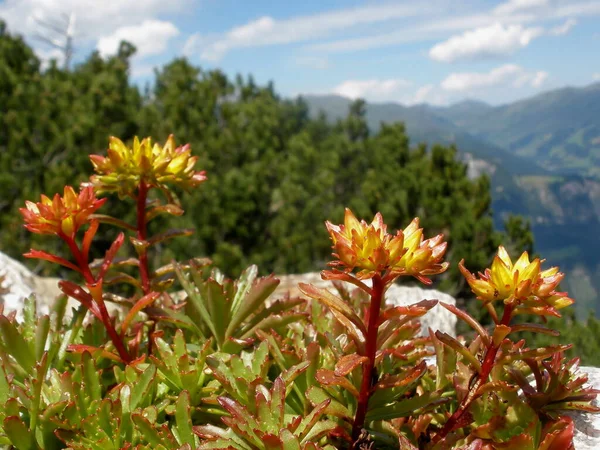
(124,168)
(370,248)
(523,283)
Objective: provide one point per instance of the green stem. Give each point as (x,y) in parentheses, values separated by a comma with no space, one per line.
(371,349)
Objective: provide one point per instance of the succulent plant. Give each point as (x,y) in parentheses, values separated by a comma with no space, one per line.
(224,365)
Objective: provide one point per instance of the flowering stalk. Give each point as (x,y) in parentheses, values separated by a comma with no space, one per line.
(523,288)
(132,172)
(140,167)
(383,258)
(63,217)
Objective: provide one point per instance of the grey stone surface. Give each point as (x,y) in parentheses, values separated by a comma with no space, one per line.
(438,318)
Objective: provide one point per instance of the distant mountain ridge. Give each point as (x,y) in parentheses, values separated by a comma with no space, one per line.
(423,124)
(543,155)
(559,129)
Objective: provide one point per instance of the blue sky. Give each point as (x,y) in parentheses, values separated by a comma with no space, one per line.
(439,52)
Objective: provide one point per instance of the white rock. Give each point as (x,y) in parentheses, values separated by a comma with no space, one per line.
(22,283)
(587,425)
(19,282)
(437,318)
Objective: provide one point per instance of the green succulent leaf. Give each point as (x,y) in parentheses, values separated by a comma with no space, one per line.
(41,336)
(403,408)
(255,294)
(19,434)
(183,421)
(317,395)
(334,303)
(15,344)
(459,348)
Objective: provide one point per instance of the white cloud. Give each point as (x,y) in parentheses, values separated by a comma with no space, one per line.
(494,40)
(150,37)
(429,94)
(563,29)
(395,90)
(374,90)
(266,30)
(516,6)
(93,18)
(423,93)
(503,76)
(192,43)
(580,9)
(365,43)
(438,24)
(596,76)
(539,78)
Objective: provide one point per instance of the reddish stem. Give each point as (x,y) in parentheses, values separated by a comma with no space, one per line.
(114,336)
(91,281)
(142,198)
(141,235)
(486,368)
(371,348)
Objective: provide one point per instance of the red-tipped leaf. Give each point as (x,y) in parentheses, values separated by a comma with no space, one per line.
(75,291)
(146,300)
(110,255)
(40,254)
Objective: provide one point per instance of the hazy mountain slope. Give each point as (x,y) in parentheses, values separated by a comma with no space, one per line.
(559,129)
(464,112)
(423,124)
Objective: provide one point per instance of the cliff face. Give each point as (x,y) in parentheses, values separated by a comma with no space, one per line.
(562,200)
